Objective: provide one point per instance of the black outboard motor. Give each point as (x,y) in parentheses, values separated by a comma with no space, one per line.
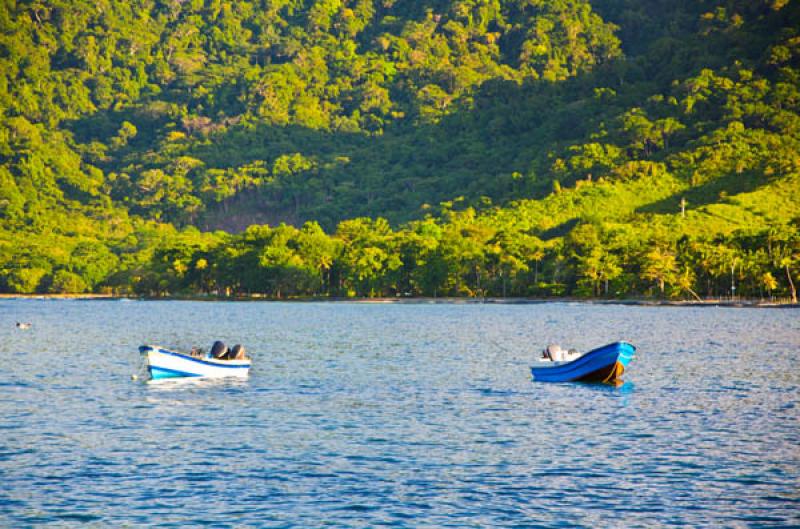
(218,350)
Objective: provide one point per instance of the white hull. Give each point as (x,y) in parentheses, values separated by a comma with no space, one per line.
(163,363)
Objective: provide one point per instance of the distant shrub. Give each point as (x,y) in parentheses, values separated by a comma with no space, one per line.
(66,282)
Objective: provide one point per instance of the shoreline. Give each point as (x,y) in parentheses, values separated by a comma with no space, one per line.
(738,303)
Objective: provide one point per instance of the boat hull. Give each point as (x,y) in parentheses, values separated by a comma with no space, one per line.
(163,363)
(604,364)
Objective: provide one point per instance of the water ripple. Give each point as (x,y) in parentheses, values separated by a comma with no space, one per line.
(398,416)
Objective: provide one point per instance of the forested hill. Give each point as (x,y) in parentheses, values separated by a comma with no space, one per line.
(516,147)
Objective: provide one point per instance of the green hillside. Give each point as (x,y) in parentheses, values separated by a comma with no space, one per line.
(489,147)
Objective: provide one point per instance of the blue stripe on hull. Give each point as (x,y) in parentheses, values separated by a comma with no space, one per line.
(157,373)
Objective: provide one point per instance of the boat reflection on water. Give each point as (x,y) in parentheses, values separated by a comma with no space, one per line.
(173,393)
(618,385)
(195,383)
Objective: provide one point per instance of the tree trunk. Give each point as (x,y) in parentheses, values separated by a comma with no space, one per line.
(693,293)
(791,285)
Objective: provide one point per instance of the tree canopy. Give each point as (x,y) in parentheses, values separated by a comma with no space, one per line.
(353,147)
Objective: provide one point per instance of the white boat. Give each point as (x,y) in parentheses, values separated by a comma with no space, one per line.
(164,363)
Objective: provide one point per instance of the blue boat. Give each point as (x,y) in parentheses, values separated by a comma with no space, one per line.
(604,364)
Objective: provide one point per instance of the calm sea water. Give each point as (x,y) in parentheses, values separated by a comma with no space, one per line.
(370,415)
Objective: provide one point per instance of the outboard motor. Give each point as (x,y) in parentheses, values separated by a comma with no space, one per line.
(237,353)
(218,350)
(551,351)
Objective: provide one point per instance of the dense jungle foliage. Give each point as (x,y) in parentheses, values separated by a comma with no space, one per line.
(605,148)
